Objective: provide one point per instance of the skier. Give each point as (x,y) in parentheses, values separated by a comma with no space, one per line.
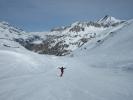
(62,71)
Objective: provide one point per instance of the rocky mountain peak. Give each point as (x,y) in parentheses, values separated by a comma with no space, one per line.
(8,27)
(109,20)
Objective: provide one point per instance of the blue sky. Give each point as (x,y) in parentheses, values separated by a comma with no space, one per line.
(42,15)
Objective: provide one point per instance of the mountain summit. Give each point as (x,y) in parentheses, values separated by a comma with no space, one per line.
(109,20)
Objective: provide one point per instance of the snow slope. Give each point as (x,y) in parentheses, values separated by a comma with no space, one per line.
(102,71)
(114,49)
(80,81)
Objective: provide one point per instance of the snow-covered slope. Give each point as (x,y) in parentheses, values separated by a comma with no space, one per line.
(13,37)
(96,71)
(8,33)
(114,49)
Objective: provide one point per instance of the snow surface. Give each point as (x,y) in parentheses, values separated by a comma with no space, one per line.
(102,72)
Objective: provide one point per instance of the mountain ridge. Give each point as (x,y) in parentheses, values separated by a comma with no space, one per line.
(63,40)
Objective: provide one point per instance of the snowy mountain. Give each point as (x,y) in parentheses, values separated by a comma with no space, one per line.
(13,37)
(109,20)
(113,50)
(101,69)
(63,40)
(8,33)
